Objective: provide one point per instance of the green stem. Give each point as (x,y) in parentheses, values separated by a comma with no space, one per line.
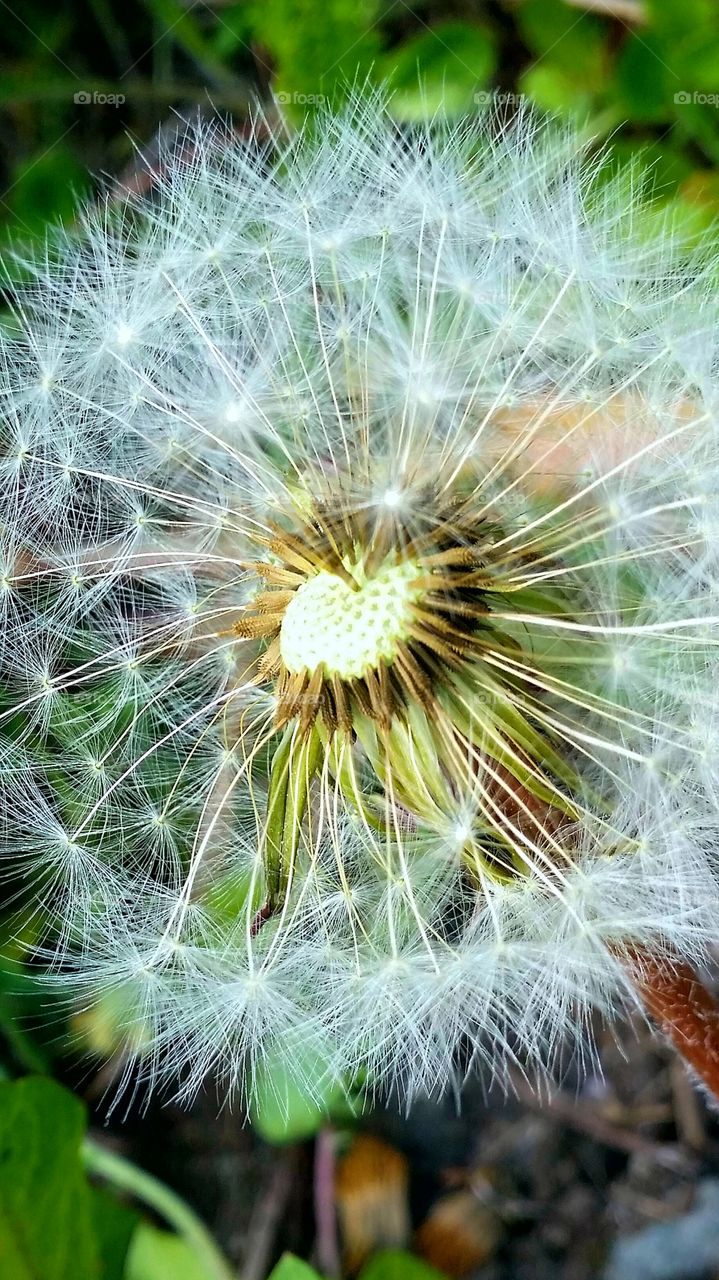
(142,1186)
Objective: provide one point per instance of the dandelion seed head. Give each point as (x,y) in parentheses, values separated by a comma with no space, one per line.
(359,590)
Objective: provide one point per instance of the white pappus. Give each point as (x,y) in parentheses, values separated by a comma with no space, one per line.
(358,550)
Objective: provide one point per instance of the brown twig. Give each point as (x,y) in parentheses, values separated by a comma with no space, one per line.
(326,1241)
(267,1215)
(584,1118)
(687,1109)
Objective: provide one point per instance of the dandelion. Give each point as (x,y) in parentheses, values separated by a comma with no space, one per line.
(360,598)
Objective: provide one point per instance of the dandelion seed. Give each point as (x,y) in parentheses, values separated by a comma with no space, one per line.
(360,596)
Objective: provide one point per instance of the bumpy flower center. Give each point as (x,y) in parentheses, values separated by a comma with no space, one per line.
(348,630)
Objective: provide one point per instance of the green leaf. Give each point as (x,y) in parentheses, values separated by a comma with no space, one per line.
(114,1226)
(699,62)
(691,219)
(112,1021)
(233,30)
(225,899)
(44,188)
(655,171)
(700,122)
(675,18)
(19,994)
(159,1255)
(440,68)
(286,1108)
(46,1230)
(396,1264)
(573,41)
(645,83)
(291,1268)
(553,90)
(316,47)
(701,189)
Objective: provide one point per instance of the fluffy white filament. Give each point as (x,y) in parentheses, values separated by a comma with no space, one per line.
(473,296)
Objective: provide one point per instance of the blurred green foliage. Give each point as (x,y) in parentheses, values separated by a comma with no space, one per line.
(390,1264)
(46,1228)
(283,1111)
(56,1224)
(643,74)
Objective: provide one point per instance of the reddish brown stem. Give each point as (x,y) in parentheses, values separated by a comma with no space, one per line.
(683,1008)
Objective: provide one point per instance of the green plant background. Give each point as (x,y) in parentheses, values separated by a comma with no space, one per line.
(84,85)
(642,73)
